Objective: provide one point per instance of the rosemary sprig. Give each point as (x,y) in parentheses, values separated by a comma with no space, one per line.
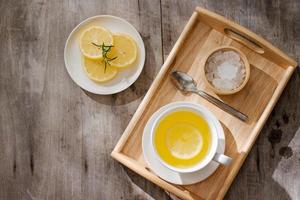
(105,49)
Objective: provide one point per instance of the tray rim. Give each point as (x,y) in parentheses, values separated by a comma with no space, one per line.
(143,170)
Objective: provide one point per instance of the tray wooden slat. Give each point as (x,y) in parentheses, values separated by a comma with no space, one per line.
(270,71)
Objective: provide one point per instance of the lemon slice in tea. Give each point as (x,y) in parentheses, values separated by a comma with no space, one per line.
(184,141)
(95,70)
(91,37)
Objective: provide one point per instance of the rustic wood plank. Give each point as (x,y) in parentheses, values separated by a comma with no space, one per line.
(56,139)
(278,22)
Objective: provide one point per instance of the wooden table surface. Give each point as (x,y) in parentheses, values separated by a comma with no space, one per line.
(56,139)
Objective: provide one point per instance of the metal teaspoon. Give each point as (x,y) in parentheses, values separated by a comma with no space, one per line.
(186,84)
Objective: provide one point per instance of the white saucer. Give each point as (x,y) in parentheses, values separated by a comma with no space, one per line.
(125,77)
(172,176)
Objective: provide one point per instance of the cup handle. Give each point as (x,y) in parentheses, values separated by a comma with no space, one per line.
(222,159)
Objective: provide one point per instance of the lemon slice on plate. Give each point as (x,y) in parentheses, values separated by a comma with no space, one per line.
(91,37)
(95,70)
(124,49)
(184,141)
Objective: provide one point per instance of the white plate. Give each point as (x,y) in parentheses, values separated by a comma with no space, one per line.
(172,176)
(73,62)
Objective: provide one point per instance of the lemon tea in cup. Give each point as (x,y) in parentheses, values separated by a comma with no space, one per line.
(184,138)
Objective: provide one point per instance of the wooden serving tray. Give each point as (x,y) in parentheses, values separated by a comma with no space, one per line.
(270,71)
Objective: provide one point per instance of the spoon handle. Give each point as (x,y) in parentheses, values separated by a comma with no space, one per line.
(222,105)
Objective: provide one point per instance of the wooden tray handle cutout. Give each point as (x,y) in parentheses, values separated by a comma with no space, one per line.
(249,42)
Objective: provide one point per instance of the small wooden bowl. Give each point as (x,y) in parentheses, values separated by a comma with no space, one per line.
(243,58)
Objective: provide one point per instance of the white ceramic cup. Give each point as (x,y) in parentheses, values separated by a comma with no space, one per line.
(210,119)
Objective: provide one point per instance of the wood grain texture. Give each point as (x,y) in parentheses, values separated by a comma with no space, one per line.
(55,139)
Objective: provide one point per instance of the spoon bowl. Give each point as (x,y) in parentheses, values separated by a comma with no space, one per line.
(184,82)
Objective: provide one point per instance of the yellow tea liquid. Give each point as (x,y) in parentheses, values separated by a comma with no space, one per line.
(182,139)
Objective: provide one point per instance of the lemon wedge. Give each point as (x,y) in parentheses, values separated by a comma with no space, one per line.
(124,49)
(95,70)
(91,37)
(184,141)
